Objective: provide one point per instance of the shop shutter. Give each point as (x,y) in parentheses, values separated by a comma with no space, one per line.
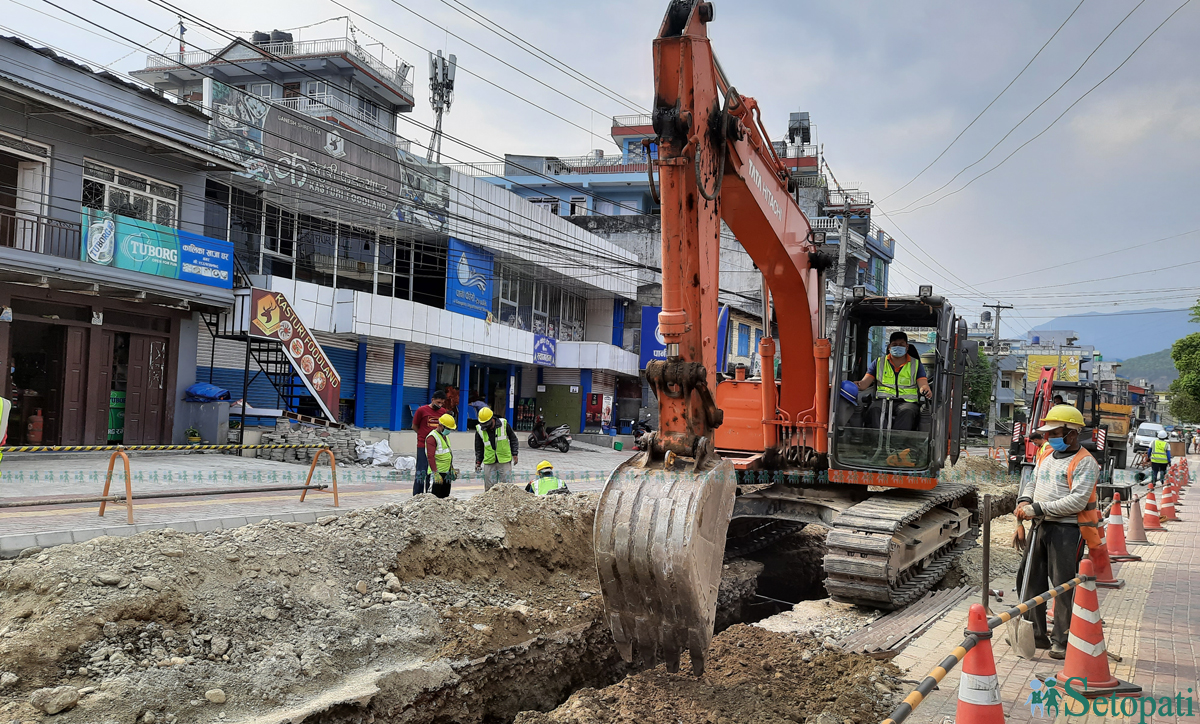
(329,341)
(229,353)
(416,366)
(604,383)
(528,381)
(379,363)
(559,377)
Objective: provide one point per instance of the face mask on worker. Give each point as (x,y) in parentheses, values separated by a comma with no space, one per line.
(898,351)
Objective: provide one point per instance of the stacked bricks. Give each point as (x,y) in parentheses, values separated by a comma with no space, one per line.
(287,432)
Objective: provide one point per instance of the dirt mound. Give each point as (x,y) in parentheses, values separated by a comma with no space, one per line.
(389,609)
(968,569)
(975,465)
(753,676)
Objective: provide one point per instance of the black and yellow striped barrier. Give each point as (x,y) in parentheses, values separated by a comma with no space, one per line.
(913,700)
(145,448)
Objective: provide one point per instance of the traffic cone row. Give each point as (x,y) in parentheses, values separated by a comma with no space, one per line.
(1151,521)
(1087,655)
(1168,503)
(1137,532)
(1116,533)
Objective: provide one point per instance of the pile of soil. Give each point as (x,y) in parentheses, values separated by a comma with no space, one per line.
(968,569)
(753,676)
(973,466)
(435,608)
(822,619)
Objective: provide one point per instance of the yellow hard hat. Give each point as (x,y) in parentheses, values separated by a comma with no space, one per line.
(1060,415)
(448,421)
(544,465)
(485,414)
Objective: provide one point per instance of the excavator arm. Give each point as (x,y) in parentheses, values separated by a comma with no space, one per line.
(662,519)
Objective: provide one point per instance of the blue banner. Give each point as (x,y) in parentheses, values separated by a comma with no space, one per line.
(545,350)
(468,280)
(655,347)
(141,246)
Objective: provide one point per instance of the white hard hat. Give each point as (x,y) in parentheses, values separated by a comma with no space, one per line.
(1162,434)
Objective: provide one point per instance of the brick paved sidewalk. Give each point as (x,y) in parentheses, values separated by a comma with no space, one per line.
(1153,623)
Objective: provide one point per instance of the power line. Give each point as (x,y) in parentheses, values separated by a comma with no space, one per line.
(989,105)
(1030,113)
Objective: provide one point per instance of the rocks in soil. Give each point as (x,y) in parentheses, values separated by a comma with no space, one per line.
(216,696)
(753,676)
(53,700)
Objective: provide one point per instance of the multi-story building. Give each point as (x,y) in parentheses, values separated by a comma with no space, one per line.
(105,266)
(1113,389)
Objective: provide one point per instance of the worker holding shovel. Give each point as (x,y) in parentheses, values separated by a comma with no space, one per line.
(1060,499)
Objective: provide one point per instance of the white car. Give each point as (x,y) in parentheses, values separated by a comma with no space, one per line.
(1147,433)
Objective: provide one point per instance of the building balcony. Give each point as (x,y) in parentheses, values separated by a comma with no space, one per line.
(551,166)
(39,234)
(344,53)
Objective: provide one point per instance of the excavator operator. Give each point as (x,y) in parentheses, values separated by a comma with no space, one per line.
(898,376)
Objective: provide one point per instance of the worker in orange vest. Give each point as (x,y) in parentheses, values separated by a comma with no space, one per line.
(1060,499)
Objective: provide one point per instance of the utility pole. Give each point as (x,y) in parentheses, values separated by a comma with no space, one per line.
(441,93)
(996,381)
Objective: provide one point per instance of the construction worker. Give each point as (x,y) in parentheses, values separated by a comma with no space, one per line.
(1160,457)
(1060,499)
(546,480)
(900,377)
(495,448)
(441,458)
(425,420)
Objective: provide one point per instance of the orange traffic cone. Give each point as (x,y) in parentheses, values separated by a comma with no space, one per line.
(1137,533)
(1116,533)
(1103,565)
(1087,656)
(1168,503)
(1151,520)
(978,685)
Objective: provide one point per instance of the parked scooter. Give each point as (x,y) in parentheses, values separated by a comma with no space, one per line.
(641,434)
(559,437)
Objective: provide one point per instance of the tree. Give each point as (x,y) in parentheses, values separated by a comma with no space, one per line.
(978,383)
(1186,355)
(1183,406)
(1196,312)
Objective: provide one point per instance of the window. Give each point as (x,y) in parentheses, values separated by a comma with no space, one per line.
(262,90)
(541,309)
(367,109)
(314,250)
(394,271)
(506,303)
(129,194)
(216,209)
(429,272)
(279,243)
(571,317)
(245,227)
(1006,383)
(548,203)
(743,340)
(758,335)
(316,89)
(578,205)
(355,259)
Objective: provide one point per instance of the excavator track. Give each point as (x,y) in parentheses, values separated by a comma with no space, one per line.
(889,549)
(754,535)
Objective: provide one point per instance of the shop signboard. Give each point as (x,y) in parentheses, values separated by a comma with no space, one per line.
(275,318)
(1067,365)
(141,246)
(654,347)
(468,280)
(545,350)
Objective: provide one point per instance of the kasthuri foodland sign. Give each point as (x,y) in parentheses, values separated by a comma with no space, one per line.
(274,318)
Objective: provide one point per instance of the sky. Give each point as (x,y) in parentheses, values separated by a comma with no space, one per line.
(1067,225)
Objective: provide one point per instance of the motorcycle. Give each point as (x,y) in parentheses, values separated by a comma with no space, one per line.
(559,437)
(641,432)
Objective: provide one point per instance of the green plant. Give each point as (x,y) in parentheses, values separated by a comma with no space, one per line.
(192,432)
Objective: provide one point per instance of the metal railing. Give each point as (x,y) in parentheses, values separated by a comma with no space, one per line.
(811,180)
(487,168)
(557,167)
(322,106)
(857,198)
(290,49)
(39,234)
(640,119)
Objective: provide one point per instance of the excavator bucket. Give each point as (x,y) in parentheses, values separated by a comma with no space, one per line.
(660,541)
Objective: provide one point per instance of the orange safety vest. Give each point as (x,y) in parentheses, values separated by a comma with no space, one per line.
(1088,518)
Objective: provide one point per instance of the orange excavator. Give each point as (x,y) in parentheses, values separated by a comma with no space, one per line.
(771,455)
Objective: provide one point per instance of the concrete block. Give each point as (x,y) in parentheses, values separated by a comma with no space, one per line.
(183,526)
(54,538)
(11,545)
(207,525)
(143,527)
(304,517)
(124,530)
(228,523)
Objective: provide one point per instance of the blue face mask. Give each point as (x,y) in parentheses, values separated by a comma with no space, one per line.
(1059,444)
(898,351)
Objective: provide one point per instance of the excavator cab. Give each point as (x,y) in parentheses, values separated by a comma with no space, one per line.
(882,430)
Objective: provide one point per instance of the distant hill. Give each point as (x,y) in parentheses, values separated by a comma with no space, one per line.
(1157,367)
(1124,335)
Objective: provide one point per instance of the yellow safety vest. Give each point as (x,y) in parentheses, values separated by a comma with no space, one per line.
(1158,452)
(503,450)
(541,486)
(893,384)
(442,459)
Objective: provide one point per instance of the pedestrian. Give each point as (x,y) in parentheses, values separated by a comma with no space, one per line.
(1060,499)
(495,448)
(1160,457)
(441,458)
(545,481)
(424,421)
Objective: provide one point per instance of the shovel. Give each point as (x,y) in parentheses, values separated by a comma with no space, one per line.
(1020,630)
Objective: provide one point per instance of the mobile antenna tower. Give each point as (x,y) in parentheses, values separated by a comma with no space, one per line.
(441,93)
